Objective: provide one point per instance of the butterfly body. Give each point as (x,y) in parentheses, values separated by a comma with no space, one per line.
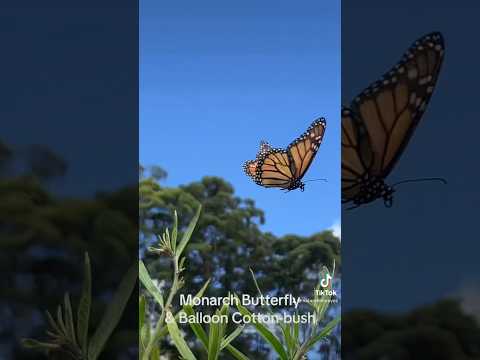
(373,189)
(379,123)
(297,184)
(285,168)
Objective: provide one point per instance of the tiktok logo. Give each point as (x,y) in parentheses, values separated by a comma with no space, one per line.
(326,281)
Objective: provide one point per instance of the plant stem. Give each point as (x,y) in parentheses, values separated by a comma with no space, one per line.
(304,347)
(168,304)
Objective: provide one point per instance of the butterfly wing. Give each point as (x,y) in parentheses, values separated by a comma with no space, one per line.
(282,168)
(357,154)
(265,147)
(392,107)
(250,168)
(273,169)
(303,149)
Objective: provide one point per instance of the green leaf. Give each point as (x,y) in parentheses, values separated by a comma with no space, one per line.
(214,341)
(200,293)
(143,326)
(182,262)
(167,238)
(174,231)
(188,233)
(224,311)
(113,314)
(35,344)
(60,322)
(52,322)
(155,355)
(84,305)
(269,309)
(265,333)
(69,319)
(296,331)
(289,340)
(322,301)
(236,353)
(196,328)
(324,332)
(148,283)
(233,335)
(177,338)
(145,333)
(141,311)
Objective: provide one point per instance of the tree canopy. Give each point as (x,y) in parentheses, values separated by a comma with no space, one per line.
(228,241)
(438,331)
(43,238)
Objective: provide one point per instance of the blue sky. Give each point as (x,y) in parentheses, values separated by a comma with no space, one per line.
(217,77)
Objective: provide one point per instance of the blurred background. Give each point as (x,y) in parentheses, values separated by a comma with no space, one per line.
(68,165)
(411,273)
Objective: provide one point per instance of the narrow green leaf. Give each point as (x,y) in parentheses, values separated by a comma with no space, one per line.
(141,311)
(266,334)
(174,231)
(182,262)
(296,331)
(200,293)
(323,303)
(203,289)
(143,331)
(35,344)
(236,353)
(60,322)
(289,340)
(214,341)
(258,287)
(84,305)
(196,328)
(155,355)
(52,322)
(324,332)
(167,238)
(177,338)
(69,320)
(148,283)
(188,233)
(113,313)
(224,311)
(233,335)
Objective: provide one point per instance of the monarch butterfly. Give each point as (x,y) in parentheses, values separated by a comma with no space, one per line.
(382,119)
(284,168)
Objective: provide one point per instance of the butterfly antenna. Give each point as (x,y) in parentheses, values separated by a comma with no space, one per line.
(316,180)
(442,180)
